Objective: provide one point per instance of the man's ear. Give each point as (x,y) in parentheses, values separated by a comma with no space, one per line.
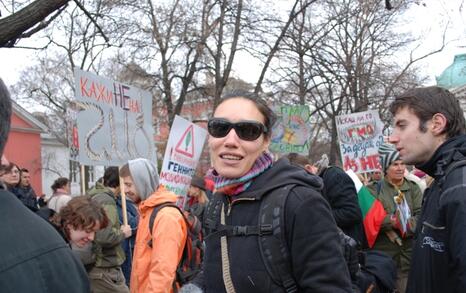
(311,169)
(438,123)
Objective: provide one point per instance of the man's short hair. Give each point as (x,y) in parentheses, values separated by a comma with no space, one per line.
(24,170)
(425,102)
(299,160)
(111,178)
(5,115)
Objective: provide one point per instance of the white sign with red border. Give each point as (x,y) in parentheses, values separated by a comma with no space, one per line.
(182,154)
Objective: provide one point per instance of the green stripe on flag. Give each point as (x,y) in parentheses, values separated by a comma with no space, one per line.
(366,200)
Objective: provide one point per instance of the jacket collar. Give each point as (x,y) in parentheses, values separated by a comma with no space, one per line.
(161,195)
(453,149)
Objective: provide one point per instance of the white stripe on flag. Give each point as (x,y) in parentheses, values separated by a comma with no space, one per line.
(355,178)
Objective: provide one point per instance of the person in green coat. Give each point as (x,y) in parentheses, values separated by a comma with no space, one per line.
(106,274)
(396,236)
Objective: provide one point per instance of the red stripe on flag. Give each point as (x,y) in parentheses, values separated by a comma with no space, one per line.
(373,220)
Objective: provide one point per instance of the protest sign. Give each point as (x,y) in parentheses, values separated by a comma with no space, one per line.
(184,147)
(72,130)
(292,131)
(114,121)
(360,135)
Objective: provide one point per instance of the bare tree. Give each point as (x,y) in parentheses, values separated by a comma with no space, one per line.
(29,20)
(340,61)
(75,42)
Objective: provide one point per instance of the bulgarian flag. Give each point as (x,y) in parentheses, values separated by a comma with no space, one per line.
(372,209)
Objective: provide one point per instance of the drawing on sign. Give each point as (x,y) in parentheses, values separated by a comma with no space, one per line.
(186,144)
(292,132)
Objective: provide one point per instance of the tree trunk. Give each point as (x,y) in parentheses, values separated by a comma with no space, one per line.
(12,26)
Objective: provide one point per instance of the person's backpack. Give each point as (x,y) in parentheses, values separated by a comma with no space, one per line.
(193,252)
(272,241)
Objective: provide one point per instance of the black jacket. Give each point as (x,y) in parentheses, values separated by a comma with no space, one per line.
(439,253)
(316,255)
(33,257)
(340,192)
(26,195)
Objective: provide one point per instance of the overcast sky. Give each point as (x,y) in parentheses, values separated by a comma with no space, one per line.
(426,20)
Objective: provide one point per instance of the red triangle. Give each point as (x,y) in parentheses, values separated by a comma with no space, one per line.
(187,152)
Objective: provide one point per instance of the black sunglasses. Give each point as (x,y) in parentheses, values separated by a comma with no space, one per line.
(246,130)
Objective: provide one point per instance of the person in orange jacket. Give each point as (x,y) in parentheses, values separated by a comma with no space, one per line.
(157,253)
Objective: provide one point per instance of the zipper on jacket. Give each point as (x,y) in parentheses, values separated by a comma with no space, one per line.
(230,203)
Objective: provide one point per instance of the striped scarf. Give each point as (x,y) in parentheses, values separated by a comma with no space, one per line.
(237,185)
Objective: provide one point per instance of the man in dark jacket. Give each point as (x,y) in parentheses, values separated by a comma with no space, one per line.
(25,192)
(340,193)
(429,132)
(33,256)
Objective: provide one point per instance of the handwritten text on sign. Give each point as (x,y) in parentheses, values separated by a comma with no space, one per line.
(182,154)
(360,135)
(114,121)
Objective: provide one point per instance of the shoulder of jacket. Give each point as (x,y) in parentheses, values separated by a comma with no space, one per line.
(303,193)
(104,198)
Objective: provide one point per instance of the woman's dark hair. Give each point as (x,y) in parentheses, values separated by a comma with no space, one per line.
(10,166)
(269,116)
(59,183)
(81,212)
(425,102)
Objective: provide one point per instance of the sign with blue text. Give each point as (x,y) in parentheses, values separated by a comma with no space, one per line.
(182,154)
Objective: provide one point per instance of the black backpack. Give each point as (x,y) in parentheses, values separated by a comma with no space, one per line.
(193,252)
(272,241)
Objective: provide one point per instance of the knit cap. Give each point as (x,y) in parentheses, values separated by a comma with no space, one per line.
(387,154)
(322,163)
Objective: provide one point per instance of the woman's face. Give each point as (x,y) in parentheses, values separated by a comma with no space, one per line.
(80,237)
(12,177)
(231,156)
(67,188)
(194,191)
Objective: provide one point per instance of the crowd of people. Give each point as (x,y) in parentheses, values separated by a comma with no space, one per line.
(268,225)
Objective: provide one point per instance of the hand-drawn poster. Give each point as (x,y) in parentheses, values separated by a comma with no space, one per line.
(114,121)
(292,131)
(72,132)
(360,135)
(182,154)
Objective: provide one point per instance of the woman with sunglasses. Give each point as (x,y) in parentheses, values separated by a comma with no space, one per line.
(244,174)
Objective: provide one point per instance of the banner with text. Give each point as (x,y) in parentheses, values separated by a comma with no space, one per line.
(292,131)
(72,130)
(184,148)
(114,121)
(360,135)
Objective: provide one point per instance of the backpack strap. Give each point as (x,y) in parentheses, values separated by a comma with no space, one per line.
(450,168)
(273,247)
(270,230)
(154,213)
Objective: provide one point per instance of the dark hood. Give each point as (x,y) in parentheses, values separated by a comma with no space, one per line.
(453,149)
(280,174)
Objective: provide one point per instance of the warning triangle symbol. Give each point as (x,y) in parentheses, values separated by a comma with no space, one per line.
(185,145)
